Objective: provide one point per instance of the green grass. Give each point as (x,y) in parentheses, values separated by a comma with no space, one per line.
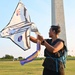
(70,67)
(14,68)
(32,68)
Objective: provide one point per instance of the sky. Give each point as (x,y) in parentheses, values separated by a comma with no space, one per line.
(40,13)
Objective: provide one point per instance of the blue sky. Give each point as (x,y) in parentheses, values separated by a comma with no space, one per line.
(40,12)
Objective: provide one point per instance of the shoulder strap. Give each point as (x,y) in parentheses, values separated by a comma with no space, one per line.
(57,40)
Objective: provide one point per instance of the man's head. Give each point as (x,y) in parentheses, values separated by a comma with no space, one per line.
(54,30)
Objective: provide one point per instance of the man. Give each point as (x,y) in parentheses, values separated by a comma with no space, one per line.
(53,51)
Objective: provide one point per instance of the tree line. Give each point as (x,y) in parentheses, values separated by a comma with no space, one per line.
(10,57)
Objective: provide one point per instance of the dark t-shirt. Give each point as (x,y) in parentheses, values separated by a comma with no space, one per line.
(49,62)
(48,54)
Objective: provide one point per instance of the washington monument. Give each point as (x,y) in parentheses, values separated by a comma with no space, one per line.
(58,17)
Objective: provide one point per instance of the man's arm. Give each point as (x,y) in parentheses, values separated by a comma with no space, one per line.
(33,39)
(53,49)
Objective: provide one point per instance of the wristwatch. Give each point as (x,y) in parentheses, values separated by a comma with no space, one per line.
(43,41)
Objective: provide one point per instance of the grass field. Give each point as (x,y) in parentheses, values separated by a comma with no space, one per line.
(32,68)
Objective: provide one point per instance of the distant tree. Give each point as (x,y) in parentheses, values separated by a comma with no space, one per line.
(8,57)
(19,58)
(69,56)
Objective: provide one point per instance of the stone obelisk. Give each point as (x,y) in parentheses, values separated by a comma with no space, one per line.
(58,17)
